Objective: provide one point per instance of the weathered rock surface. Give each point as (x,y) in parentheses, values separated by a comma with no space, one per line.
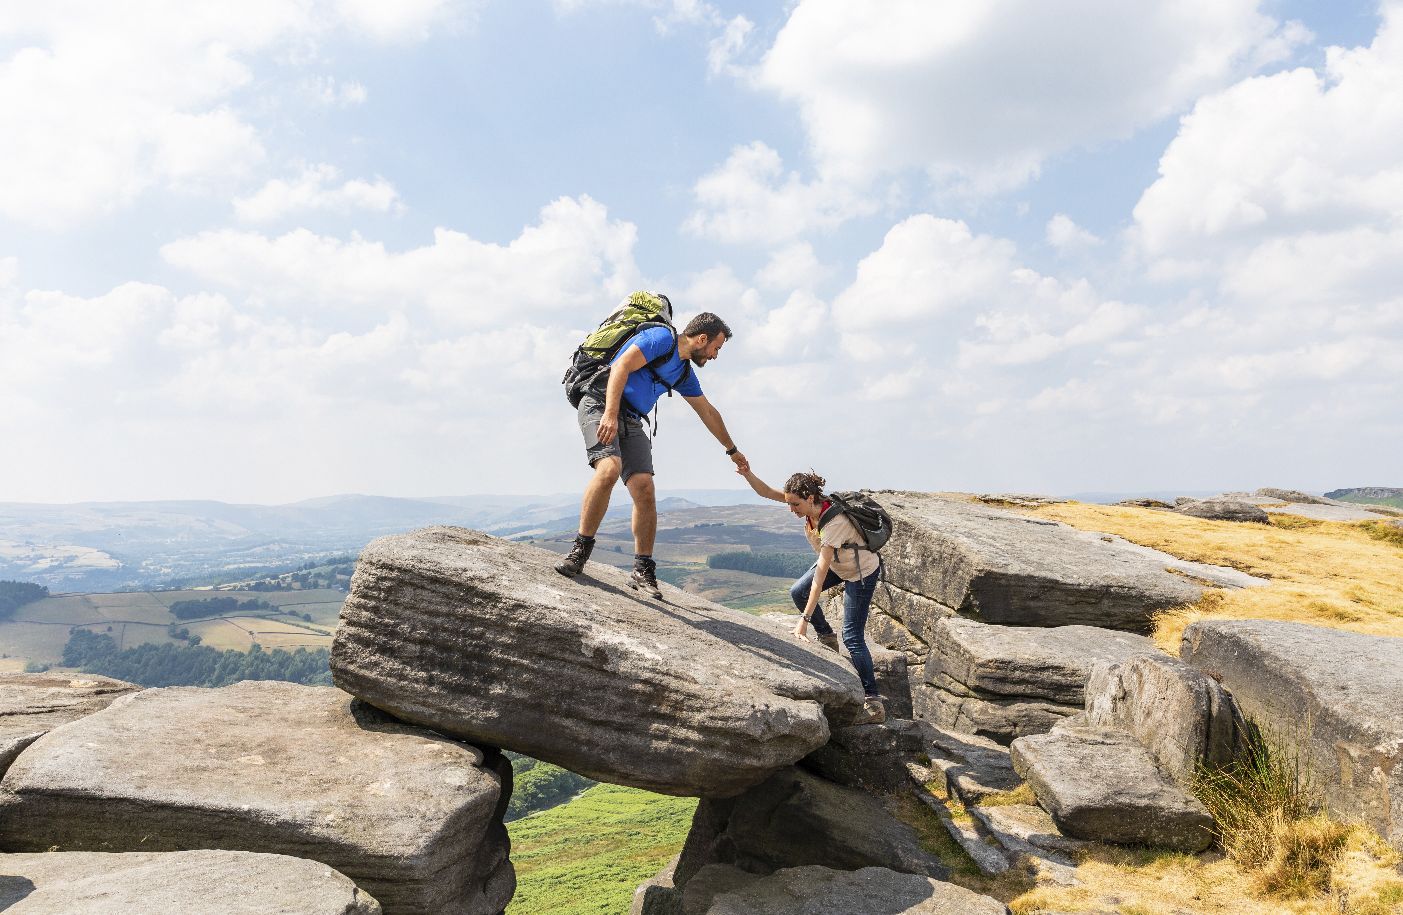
(823,891)
(414,818)
(482,639)
(1011,569)
(1180,716)
(870,756)
(1143,503)
(1100,784)
(1224,510)
(1292,495)
(1028,836)
(1004,682)
(974,768)
(795,819)
(207,882)
(1337,695)
(31,705)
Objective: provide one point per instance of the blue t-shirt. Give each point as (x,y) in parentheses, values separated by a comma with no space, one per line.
(642,390)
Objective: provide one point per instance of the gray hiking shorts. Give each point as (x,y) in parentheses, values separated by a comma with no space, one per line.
(632,445)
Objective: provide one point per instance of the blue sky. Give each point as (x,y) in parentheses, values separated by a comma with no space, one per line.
(314,246)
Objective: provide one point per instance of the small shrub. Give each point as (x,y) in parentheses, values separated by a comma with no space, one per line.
(1382,530)
(35,667)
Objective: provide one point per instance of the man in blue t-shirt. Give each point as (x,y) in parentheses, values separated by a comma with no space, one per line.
(611,418)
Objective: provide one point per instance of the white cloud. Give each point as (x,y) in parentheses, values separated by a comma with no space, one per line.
(981,94)
(751,199)
(315,189)
(1065,235)
(102,102)
(554,268)
(793,267)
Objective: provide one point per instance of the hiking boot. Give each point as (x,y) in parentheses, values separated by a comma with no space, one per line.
(574,562)
(645,578)
(829,641)
(873,711)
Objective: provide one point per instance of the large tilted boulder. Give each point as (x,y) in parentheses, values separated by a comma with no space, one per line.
(481,638)
(719,890)
(1182,717)
(1334,697)
(1004,682)
(1002,567)
(412,817)
(207,882)
(1225,510)
(31,705)
(1100,784)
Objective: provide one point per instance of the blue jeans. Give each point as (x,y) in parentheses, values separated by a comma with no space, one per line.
(857,598)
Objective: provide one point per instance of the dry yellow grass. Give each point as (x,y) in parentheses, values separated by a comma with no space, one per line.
(1324,572)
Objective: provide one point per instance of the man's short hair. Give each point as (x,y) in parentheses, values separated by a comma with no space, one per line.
(706,323)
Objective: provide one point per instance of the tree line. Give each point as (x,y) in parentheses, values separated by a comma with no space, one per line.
(216,606)
(169,664)
(15,594)
(773,564)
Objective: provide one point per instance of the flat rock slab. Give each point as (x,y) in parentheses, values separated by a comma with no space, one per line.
(1337,695)
(1001,567)
(207,882)
(1027,662)
(975,768)
(412,817)
(871,891)
(482,639)
(31,705)
(1100,784)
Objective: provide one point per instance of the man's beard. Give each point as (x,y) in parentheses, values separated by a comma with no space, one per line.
(699,361)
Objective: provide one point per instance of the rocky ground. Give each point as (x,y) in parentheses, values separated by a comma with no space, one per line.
(1034,731)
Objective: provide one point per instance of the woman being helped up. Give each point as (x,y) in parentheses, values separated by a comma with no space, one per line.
(842,559)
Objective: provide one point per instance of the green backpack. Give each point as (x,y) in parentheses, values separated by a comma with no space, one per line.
(590,363)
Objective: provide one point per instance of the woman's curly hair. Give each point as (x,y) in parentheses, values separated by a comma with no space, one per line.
(805,485)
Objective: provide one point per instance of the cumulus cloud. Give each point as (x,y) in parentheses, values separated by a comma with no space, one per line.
(982,94)
(752,199)
(98,105)
(315,189)
(1065,235)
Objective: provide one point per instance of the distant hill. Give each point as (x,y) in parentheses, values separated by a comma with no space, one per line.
(1369,495)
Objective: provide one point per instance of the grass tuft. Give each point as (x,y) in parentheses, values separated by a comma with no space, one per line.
(1382,530)
(1304,853)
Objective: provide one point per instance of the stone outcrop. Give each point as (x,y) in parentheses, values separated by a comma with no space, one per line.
(1182,717)
(719,890)
(870,756)
(1335,697)
(1292,495)
(31,705)
(1224,510)
(207,882)
(412,817)
(480,638)
(1011,569)
(1100,784)
(1004,682)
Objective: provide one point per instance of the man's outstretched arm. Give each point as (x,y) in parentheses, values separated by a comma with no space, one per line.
(631,361)
(711,418)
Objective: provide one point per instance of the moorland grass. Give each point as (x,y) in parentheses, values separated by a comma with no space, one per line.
(1328,573)
(587,857)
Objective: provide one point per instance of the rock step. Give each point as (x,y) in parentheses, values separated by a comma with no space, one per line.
(982,848)
(812,890)
(1101,784)
(974,768)
(1028,835)
(208,882)
(412,817)
(31,705)
(482,639)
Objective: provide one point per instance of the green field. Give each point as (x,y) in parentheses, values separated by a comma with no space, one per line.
(38,631)
(588,856)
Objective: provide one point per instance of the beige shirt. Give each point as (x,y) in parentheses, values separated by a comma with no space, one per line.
(839,533)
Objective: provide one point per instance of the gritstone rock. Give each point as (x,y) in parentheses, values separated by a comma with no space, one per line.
(1334,696)
(1292,495)
(482,639)
(870,756)
(1181,716)
(414,818)
(1012,569)
(1225,510)
(1004,682)
(822,891)
(31,705)
(207,882)
(1100,784)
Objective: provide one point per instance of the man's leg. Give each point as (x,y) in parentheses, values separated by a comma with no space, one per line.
(645,512)
(596,501)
